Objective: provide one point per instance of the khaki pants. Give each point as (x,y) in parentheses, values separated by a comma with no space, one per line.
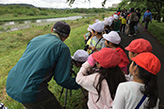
(50,102)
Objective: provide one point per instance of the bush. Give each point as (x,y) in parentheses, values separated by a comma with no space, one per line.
(43,13)
(15,15)
(19,34)
(31,13)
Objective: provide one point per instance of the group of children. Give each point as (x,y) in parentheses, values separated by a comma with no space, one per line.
(105,73)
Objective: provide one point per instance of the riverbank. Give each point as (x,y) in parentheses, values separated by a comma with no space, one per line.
(10,17)
(17,25)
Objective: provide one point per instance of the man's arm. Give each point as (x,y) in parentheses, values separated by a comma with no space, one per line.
(62,70)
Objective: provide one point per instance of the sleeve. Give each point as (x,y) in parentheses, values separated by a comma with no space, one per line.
(91,61)
(62,70)
(151,16)
(143,16)
(87,81)
(119,100)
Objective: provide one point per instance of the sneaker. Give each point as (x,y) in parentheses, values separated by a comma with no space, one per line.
(2,106)
(130,35)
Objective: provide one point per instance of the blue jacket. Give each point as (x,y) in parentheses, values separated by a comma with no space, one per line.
(146,14)
(27,81)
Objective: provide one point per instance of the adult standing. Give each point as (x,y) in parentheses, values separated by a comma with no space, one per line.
(133,21)
(119,10)
(139,16)
(147,17)
(46,56)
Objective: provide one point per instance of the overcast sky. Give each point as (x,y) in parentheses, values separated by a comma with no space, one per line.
(63,4)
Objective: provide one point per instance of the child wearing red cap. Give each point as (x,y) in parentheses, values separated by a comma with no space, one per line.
(101,84)
(142,92)
(138,46)
(113,40)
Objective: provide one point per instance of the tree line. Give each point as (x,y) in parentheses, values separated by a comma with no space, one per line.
(17,10)
(156,6)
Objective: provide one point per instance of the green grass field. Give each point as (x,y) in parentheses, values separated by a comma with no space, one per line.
(13,44)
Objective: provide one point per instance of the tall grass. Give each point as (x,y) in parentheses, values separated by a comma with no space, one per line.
(156,28)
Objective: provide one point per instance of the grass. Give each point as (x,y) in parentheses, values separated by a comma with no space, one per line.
(156,28)
(13,44)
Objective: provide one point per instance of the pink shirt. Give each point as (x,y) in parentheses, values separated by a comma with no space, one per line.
(87,82)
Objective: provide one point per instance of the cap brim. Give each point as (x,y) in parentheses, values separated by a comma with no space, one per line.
(72,57)
(105,36)
(127,48)
(91,26)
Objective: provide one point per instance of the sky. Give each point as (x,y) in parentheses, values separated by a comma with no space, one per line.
(63,3)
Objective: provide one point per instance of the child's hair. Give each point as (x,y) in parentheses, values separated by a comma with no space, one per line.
(99,33)
(113,76)
(150,89)
(74,62)
(117,45)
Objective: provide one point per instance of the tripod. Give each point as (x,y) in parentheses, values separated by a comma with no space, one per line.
(66,93)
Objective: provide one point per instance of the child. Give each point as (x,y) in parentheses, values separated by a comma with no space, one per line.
(123,24)
(101,84)
(97,42)
(113,40)
(116,23)
(88,35)
(108,24)
(138,46)
(142,92)
(79,57)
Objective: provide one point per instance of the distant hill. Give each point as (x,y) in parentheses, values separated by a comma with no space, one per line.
(18,4)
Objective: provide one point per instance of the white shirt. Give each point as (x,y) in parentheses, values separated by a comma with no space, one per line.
(128,95)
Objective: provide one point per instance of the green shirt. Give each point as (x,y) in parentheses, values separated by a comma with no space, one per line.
(28,80)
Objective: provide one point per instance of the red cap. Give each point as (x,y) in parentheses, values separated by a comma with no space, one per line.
(118,13)
(107,57)
(139,46)
(148,61)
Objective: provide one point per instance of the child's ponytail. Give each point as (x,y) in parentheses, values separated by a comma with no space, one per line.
(150,89)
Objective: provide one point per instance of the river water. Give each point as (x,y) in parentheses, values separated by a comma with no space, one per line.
(16,25)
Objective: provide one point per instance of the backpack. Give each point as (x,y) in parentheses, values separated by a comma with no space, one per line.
(136,18)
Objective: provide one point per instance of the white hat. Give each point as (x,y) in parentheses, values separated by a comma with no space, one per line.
(97,20)
(108,21)
(113,37)
(80,56)
(98,26)
(115,16)
(89,29)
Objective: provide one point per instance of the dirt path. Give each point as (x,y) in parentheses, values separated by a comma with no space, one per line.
(158,50)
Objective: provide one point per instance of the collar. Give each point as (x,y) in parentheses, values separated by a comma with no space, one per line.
(56,35)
